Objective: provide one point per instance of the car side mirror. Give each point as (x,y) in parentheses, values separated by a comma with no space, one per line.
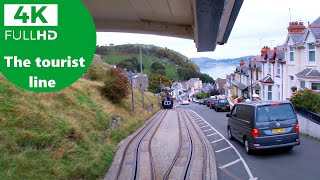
(228,115)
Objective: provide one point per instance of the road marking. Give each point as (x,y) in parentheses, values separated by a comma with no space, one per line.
(217,140)
(198,121)
(223,149)
(202,123)
(212,134)
(208,130)
(241,158)
(229,164)
(204,126)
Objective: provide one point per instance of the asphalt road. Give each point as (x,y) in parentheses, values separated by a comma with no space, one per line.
(303,162)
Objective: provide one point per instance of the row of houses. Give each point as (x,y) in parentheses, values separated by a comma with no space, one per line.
(275,72)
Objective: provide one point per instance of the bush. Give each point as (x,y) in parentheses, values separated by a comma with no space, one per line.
(201,95)
(116,85)
(306,99)
(97,71)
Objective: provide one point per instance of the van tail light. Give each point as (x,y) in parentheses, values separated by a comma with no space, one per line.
(297,128)
(255,132)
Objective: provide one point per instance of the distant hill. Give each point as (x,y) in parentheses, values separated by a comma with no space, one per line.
(205,61)
(172,60)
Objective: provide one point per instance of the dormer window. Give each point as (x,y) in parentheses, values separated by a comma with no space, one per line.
(291,54)
(312,52)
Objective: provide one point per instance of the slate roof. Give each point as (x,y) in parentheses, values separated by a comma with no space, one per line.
(270,54)
(267,79)
(316,22)
(315,32)
(309,72)
(296,37)
(256,85)
(239,85)
(280,54)
(256,64)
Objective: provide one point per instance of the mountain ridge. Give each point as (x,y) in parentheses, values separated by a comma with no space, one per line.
(205,61)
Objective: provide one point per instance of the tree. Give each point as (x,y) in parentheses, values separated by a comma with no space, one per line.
(307,99)
(158,68)
(116,85)
(206,78)
(201,95)
(154,82)
(187,73)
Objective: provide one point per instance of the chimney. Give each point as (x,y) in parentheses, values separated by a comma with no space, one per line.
(296,27)
(242,62)
(264,51)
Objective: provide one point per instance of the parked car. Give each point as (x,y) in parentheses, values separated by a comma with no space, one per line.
(213,103)
(185,102)
(201,101)
(264,125)
(205,101)
(222,104)
(209,102)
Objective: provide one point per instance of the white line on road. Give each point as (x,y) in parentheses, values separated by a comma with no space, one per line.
(223,149)
(202,123)
(229,164)
(208,130)
(217,140)
(198,121)
(212,134)
(241,158)
(204,126)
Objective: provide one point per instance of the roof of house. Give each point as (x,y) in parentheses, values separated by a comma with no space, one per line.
(315,32)
(280,54)
(256,85)
(267,79)
(309,72)
(316,22)
(239,85)
(296,37)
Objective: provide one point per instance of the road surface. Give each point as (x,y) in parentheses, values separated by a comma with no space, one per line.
(303,162)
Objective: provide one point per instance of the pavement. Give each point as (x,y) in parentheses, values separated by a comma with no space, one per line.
(302,162)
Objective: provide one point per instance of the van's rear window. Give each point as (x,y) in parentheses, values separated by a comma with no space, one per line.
(279,112)
(223,101)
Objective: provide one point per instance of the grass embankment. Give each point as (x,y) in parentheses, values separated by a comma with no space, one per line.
(62,135)
(171,69)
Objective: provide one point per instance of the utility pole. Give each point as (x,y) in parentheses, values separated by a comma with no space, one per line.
(132,98)
(250,65)
(141,79)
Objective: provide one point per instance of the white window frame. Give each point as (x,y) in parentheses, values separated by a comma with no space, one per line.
(302,81)
(315,54)
(278,68)
(269,97)
(291,50)
(314,83)
(269,68)
(278,89)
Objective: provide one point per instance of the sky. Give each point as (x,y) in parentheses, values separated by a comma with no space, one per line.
(262,22)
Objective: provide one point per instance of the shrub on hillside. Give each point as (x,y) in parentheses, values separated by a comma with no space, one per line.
(306,99)
(97,71)
(116,85)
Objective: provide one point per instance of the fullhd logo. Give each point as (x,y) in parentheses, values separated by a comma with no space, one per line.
(49,45)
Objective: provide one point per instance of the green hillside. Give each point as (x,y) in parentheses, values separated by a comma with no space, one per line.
(172,60)
(63,135)
(171,70)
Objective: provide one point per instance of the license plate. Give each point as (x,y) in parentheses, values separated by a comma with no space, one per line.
(275,131)
(224,108)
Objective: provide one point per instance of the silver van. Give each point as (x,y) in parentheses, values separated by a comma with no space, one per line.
(264,125)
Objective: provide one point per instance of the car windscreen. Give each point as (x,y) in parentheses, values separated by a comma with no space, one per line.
(277,112)
(223,101)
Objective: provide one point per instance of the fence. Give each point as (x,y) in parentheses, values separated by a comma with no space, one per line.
(314,117)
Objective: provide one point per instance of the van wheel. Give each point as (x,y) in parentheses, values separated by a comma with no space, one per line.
(247,147)
(230,134)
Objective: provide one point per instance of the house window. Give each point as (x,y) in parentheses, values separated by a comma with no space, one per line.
(257,74)
(257,92)
(315,86)
(291,54)
(302,84)
(263,90)
(312,53)
(291,78)
(278,68)
(278,88)
(269,92)
(269,67)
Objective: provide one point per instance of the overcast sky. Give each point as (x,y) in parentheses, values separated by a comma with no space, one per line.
(258,20)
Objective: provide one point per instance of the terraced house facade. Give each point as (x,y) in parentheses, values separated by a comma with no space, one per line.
(302,49)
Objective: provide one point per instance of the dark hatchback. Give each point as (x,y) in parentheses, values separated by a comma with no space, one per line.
(264,125)
(222,104)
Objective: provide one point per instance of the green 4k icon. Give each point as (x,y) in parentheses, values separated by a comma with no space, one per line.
(46,45)
(34,14)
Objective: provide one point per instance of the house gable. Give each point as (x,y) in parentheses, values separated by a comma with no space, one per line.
(309,37)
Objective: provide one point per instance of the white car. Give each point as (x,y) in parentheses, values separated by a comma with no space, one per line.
(185,102)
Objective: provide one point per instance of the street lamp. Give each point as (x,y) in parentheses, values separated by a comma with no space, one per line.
(131,82)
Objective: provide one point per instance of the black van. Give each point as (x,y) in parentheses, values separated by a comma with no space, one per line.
(264,125)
